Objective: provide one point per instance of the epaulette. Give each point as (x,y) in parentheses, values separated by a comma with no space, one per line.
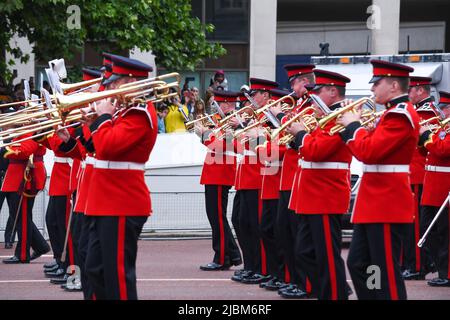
(401,108)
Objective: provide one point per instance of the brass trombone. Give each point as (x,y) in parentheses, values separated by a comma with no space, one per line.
(66,104)
(206,120)
(70,87)
(241,115)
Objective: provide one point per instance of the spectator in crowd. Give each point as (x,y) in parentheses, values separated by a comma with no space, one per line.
(177,115)
(209,98)
(189,100)
(199,110)
(195,93)
(162,112)
(218,81)
(46,86)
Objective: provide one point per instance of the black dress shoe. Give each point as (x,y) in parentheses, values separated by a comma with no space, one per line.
(238,272)
(14,260)
(53,269)
(256,278)
(410,275)
(439,282)
(58,273)
(241,275)
(50,265)
(8,245)
(294,294)
(275,284)
(289,286)
(212,266)
(59,280)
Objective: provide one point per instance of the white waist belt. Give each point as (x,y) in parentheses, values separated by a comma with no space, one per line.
(89,160)
(323,165)
(249,153)
(437,168)
(272,163)
(63,160)
(386,168)
(118,165)
(226,153)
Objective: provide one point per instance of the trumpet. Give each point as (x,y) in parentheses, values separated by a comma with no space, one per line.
(306,116)
(224,124)
(285,106)
(350,107)
(207,120)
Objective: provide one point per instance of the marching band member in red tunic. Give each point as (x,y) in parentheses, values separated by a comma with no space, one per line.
(323,195)
(300,75)
(416,261)
(218,174)
(25,177)
(436,188)
(249,182)
(122,146)
(385,203)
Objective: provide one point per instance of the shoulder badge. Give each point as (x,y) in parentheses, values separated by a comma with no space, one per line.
(442,135)
(402,108)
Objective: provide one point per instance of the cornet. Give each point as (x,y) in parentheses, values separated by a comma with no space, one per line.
(306,116)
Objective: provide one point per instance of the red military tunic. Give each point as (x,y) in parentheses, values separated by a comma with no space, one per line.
(323,190)
(436,185)
(424,111)
(128,141)
(385,197)
(219,167)
(60,177)
(249,166)
(269,153)
(19,154)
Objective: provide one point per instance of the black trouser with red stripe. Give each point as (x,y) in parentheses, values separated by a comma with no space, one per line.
(286,232)
(415,259)
(223,243)
(111,256)
(81,240)
(249,218)
(438,240)
(373,261)
(318,253)
(9,196)
(56,219)
(27,232)
(274,258)
(235,216)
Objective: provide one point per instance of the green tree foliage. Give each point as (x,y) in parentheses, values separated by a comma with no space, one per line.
(165,27)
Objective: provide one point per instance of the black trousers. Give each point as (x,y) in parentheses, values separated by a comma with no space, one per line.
(235,216)
(415,258)
(274,259)
(9,196)
(373,261)
(223,243)
(27,232)
(56,219)
(318,253)
(285,233)
(249,214)
(81,241)
(111,256)
(438,240)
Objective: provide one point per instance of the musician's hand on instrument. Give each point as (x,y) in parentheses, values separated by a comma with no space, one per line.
(346,102)
(275,110)
(63,134)
(422,129)
(348,117)
(199,129)
(234,123)
(295,128)
(86,114)
(105,106)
